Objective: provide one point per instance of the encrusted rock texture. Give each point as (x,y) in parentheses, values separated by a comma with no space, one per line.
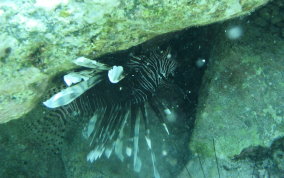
(39,39)
(240,114)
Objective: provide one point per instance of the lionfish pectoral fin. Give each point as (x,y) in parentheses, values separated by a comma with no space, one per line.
(128,151)
(115,74)
(118,149)
(85,62)
(76,77)
(69,94)
(136,159)
(149,144)
(156,172)
(137,165)
(89,128)
(155,105)
(166,128)
(108,151)
(95,154)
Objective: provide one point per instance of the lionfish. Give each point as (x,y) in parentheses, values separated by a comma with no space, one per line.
(114,100)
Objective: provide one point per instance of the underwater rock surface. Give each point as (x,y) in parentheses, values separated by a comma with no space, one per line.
(39,39)
(240,111)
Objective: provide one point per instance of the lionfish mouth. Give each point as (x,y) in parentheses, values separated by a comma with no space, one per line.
(113,100)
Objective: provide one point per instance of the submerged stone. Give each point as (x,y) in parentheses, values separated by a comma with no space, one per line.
(241,106)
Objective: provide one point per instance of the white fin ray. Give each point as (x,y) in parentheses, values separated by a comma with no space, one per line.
(89,128)
(118,143)
(115,74)
(76,77)
(156,172)
(166,128)
(118,149)
(138,165)
(108,151)
(95,154)
(148,141)
(128,151)
(85,62)
(69,94)
(136,161)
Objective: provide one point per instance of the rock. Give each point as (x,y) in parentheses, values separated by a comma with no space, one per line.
(18,154)
(39,39)
(240,107)
(271,17)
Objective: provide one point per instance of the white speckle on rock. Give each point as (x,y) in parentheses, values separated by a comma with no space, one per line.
(29,24)
(1,12)
(234,8)
(50,4)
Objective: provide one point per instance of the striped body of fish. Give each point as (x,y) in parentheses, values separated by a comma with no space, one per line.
(113,100)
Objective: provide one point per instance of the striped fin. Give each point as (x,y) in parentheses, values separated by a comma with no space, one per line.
(108,132)
(148,140)
(69,94)
(85,62)
(161,115)
(149,143)
(76,77)
(136,159)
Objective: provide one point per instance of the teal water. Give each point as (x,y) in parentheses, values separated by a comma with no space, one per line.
(222,106)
